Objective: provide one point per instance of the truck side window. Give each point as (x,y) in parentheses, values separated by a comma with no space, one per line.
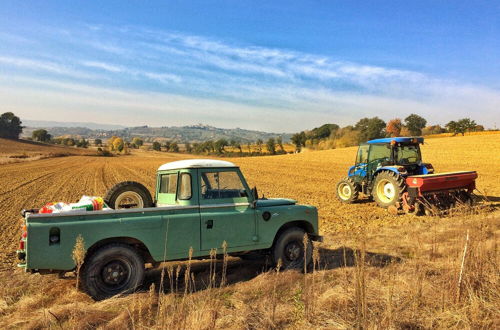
(168,183)
(225,184)
(185,191)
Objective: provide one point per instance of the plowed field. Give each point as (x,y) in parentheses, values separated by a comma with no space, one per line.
(411,277)
(308,177)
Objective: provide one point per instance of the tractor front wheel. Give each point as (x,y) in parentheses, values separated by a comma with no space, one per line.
(347,190)
(388,188)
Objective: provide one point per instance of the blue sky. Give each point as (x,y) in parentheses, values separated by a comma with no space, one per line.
(270,65)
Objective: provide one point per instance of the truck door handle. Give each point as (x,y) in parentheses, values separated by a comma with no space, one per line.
(209,223)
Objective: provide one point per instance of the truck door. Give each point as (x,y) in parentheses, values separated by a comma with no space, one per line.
(225,209)
(181,217)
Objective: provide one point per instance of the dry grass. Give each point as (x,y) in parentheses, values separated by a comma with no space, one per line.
(374,269)
(431,136)
(17,151)
(400,277)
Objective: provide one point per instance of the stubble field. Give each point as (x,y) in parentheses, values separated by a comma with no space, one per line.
(310,178)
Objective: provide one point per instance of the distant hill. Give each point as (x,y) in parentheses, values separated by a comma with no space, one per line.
(49,124)
(193,133)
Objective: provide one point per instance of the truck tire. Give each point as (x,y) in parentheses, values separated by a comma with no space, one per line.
(128,194)
(347,190)
(388,188)
(112,269)
(289,248)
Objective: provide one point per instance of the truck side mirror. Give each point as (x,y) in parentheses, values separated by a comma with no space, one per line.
(255,194)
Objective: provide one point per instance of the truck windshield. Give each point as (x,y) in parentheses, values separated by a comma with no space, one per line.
(407,154)
(225,184)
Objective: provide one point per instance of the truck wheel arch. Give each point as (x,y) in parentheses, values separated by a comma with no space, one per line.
(134,242)
(302,224)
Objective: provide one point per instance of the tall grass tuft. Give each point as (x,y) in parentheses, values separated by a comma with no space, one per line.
(78,255)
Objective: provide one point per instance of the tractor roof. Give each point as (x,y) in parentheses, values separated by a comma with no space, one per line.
(195,163)
(399,140)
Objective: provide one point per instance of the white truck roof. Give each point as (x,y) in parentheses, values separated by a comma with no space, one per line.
(195,163)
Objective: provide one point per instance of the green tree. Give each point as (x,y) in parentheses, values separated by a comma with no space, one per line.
(370,128)
(188,147)
(207,146)
(236,144)
(461,126)
(279,142)
(468,124)
(97,142)
(197,147)
(168,146)
(299,139)
(174,147)
(271,146)
(259,145)
(415,123)
(479,128)
(69,142)
(82,143)
(41,135)
(156,146)
(137,142)
(10,126)
(433,129)
(220,145)
(323,131)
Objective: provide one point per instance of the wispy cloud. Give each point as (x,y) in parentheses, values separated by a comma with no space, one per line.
(103,66)
(197,79)
(52,67)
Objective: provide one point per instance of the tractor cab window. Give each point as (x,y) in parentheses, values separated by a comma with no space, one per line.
(220,185)
(407,154)
(380,152)
(362,156)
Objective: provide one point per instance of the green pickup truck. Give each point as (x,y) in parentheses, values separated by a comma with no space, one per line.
(198,205)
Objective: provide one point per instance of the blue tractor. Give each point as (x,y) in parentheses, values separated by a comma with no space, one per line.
(381,168)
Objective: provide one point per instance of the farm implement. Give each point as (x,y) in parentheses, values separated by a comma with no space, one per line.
(392,172)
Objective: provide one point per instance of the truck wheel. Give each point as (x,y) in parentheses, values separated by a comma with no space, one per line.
(347,191)
(290,249)
(388,188)
(127,195)
(111,270)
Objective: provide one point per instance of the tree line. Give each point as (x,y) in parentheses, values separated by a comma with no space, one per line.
(330,136)
(326,136)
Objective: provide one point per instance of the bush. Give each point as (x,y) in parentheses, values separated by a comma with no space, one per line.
(104,152)
(156,146)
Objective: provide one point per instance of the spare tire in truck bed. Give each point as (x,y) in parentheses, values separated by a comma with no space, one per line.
(127,195)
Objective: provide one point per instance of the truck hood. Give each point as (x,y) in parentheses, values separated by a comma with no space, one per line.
(275,202)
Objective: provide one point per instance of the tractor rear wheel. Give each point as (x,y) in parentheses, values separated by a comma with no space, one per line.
(388,188)
(347,190)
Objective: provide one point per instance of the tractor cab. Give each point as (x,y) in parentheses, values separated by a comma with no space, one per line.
(400,155)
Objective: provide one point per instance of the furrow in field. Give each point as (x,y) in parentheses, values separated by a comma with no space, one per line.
(56,187)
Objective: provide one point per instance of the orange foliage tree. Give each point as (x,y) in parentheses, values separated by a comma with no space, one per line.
(394,127)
